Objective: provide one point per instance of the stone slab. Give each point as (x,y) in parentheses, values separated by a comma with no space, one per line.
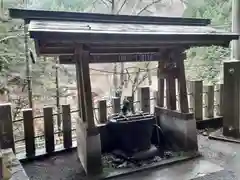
(180,132)
(180,171)
(218,135)
(16,169)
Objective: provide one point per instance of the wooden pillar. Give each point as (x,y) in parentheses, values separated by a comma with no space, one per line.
(49,129)
(89,143)
(209,101)
(197,89)
(182,85)
(131,103)
(219,99)
(161,85)
(171,92)
(6,127)
(102,111)
(236,28)
(231,99)
(67,126)
(116,105)
(80,92)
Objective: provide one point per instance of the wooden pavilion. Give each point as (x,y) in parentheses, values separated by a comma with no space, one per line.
(82,38)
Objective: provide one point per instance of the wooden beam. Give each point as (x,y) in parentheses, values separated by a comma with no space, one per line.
(111,58)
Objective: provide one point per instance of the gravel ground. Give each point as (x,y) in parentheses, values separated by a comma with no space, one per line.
(67,167)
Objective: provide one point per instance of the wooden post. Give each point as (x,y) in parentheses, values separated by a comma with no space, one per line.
(171,93)
(29,132)
(155,95)
(161,85)
(116,105)
(6,127)
(231,99)
(144,94)
(209,101)
(130,99)
(182,85)
(67,126)
(197,87)
(190,95)
(90,152)
(102,111)
(80,90)
(219,99)
(48,129)
(236,28)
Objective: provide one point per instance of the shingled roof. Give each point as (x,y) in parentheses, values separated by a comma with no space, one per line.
(57,33)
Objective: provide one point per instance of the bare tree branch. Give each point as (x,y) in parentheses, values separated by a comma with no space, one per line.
(110,1)
(10,37)
(147,6)
(106,4)
(135,5)
(120,9)
(94,5)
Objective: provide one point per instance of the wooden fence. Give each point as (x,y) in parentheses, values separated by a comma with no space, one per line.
(204,101)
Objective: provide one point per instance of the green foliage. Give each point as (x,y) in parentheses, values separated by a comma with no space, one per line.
(206,63)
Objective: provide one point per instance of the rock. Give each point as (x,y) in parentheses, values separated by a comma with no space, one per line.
(168,154)
(123,165)
(205,133)
(157,159)
(117,161)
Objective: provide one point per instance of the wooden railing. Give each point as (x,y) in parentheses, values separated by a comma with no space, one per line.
(204,101)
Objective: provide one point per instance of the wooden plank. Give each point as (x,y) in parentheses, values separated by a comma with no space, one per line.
(144,94)
(171,93)
(161,87)
(231,114)
(29,134)
(6,127)
(116,105)
(48,129)
(209,101)
(219,99)
(67,126)
(197,99)
(102,111)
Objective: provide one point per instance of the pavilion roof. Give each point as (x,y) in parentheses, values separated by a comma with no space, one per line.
(57,33)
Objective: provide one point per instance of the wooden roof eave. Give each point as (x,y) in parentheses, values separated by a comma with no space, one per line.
(105,48)
(106,38)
